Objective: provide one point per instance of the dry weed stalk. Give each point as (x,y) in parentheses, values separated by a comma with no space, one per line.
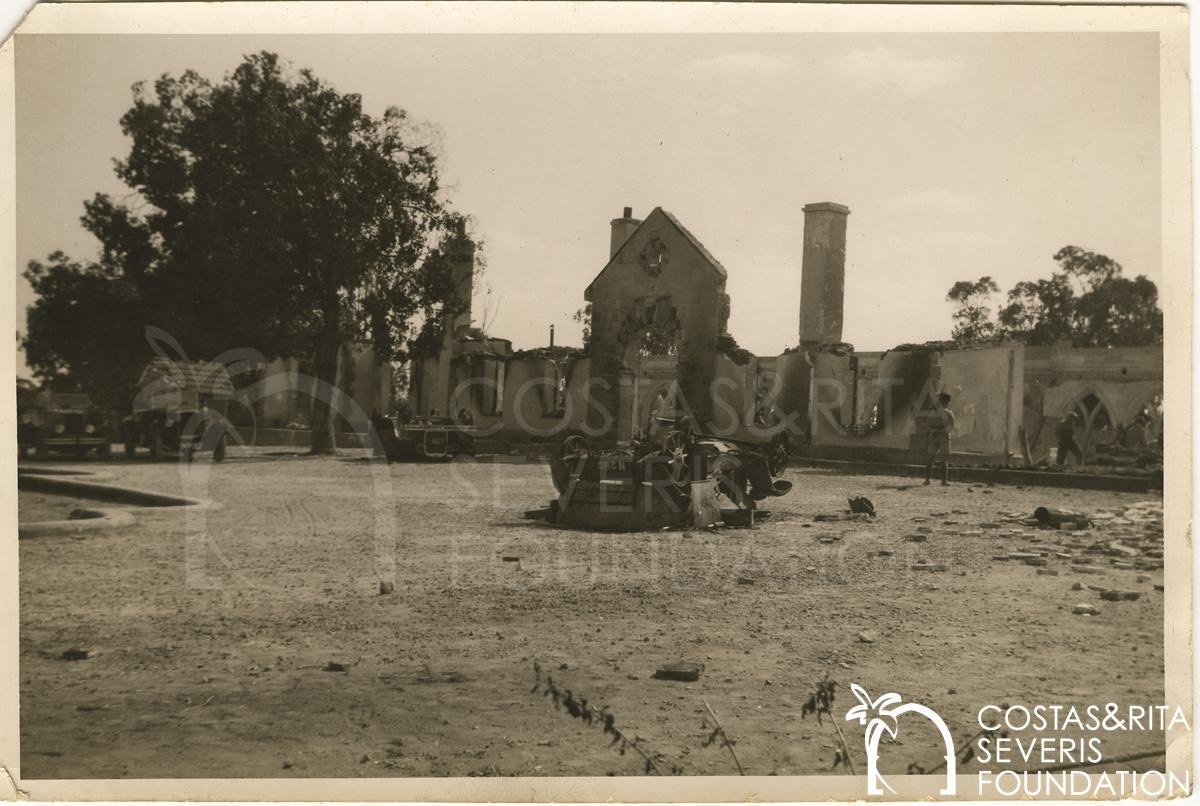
(580,709)
(821,702)
(718,732)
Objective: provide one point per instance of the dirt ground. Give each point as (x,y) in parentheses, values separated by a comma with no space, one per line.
(210,632)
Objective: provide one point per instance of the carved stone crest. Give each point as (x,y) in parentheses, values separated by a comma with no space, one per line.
(653,257)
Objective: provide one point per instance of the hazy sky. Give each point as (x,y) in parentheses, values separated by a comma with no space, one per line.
(958,154)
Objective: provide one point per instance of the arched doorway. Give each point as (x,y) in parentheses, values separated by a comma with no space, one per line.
(648,381)
(1095,426)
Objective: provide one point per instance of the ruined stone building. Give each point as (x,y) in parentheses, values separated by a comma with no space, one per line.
(660,346)
(359,375)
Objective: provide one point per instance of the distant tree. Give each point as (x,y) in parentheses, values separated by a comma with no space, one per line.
(660,338)
(583,317)
(82,330)
(1088,302)
(274,213)
(973,318)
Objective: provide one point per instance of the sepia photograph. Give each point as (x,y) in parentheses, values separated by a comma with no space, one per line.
(690,392)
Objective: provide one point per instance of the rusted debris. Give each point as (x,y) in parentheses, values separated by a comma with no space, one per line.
(1060,518)
(683,672)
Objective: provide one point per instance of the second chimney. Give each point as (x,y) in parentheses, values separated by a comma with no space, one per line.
(622,228)
(823,273)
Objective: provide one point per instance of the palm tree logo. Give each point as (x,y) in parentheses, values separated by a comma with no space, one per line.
(880,716)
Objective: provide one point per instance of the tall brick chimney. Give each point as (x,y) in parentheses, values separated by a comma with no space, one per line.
(622,228)
(823,273)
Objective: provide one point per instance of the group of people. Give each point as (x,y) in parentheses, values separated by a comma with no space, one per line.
(1136,438)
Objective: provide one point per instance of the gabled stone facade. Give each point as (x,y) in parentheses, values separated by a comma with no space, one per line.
(660,278)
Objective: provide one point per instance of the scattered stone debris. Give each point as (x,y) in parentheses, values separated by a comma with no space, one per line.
(683,672)
(868,636)
(922,565)
(1119,596)
(745,580)
(1086,610)
(1047,572)
(915,538)
(886,552)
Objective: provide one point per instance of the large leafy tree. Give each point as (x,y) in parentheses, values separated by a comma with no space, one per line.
(273,212)
(1088,302)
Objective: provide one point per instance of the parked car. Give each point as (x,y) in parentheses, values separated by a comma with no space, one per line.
(429,437)
(179,408)
(62,422)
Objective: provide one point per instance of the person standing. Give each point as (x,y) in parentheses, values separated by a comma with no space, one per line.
(385,432)
(1065,433)
(937,448)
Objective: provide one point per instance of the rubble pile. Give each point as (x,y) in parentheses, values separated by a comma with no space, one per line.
(1121,538)
(1132,536)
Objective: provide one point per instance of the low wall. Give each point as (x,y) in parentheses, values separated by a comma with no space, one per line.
(888,455)
(1018,476)
(296,438)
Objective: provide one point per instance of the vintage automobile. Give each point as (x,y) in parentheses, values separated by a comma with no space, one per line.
(62,422)
(678,480)
(429,438)
(179,408)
